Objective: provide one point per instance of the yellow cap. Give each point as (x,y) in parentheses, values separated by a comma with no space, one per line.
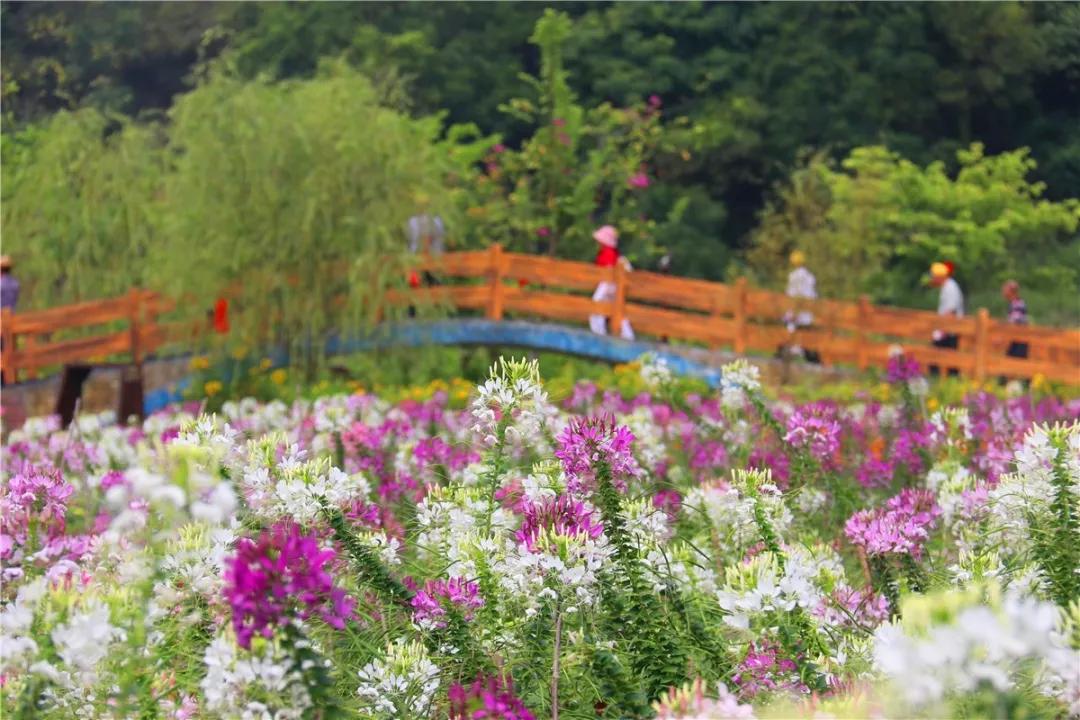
(939,270)
(797,258)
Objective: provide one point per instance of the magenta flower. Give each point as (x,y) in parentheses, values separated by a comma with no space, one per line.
(558,122)
(902,368)
(364,514)
(902,527)
(562,515)
(432,604)
(587,442)
(281,576)
(654,101)
(638,180)
(488,698)
(816,428)
(498,148)
(875,473)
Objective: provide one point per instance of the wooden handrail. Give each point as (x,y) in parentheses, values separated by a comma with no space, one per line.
(737,316)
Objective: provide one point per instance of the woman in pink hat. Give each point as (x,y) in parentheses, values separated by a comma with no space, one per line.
(608,256)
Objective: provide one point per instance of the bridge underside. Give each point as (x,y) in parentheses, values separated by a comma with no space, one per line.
(529,335)
(498,333)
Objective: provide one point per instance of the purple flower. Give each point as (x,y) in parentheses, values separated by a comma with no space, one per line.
(561,515)
(588,442)
(498,148)
(815,427)
(280,576)
(438,597)
(668,500)
(654,101)
(902,527)
(902,368)
(488,698)
(765,670)
(908,446)
(875,473)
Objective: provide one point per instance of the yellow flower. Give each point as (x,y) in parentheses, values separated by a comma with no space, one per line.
(279,376)
(212,388)
(265,364)
(240,352)
(1038,381)
(199,362)
(884,392)
(932,404)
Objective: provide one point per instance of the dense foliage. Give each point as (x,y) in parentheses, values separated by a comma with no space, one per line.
(705,107)
(673,555)
(874,223)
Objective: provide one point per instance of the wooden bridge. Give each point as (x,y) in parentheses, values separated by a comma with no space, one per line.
(499,286)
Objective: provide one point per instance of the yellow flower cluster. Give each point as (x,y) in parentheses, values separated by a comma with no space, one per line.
(457,391)
(199,362)
(212,388)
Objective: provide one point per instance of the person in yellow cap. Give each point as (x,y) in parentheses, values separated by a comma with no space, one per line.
(801,287)
(950,304)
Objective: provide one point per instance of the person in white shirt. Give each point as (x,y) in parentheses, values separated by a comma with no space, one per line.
(950,304)
(801,287)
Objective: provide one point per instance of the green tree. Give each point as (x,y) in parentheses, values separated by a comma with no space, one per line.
(292,195)
(581,167)
(81,205)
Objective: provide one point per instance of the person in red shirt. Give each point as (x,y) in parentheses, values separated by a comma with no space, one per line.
(608,256)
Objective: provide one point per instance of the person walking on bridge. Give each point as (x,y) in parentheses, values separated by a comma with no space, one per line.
(608,256)
(950,304)
(9,285)
(802,289)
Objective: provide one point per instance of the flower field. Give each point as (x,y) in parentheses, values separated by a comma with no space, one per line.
(498,554)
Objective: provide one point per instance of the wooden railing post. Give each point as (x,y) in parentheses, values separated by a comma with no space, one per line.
(982,341)
(495,273)
(862,345)
(29,351)
(618,306)
(740,315)
(7,332)
(134,323)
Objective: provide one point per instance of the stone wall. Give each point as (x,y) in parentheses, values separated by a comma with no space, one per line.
(100,392)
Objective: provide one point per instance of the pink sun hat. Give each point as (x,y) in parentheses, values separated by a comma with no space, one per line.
(607,235)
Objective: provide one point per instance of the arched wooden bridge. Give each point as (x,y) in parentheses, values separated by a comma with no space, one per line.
(512,291)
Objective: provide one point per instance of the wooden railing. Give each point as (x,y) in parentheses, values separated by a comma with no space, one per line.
(125,327)
(498,283)
(740,317)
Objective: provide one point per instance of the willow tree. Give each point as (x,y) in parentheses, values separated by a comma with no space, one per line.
(293,196)
(81,206)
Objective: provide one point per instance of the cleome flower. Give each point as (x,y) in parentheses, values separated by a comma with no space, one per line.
(585,443)
(280,577)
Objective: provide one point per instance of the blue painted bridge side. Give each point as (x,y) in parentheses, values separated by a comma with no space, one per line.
(503,333)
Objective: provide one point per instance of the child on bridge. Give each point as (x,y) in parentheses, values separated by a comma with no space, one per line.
(608,256)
